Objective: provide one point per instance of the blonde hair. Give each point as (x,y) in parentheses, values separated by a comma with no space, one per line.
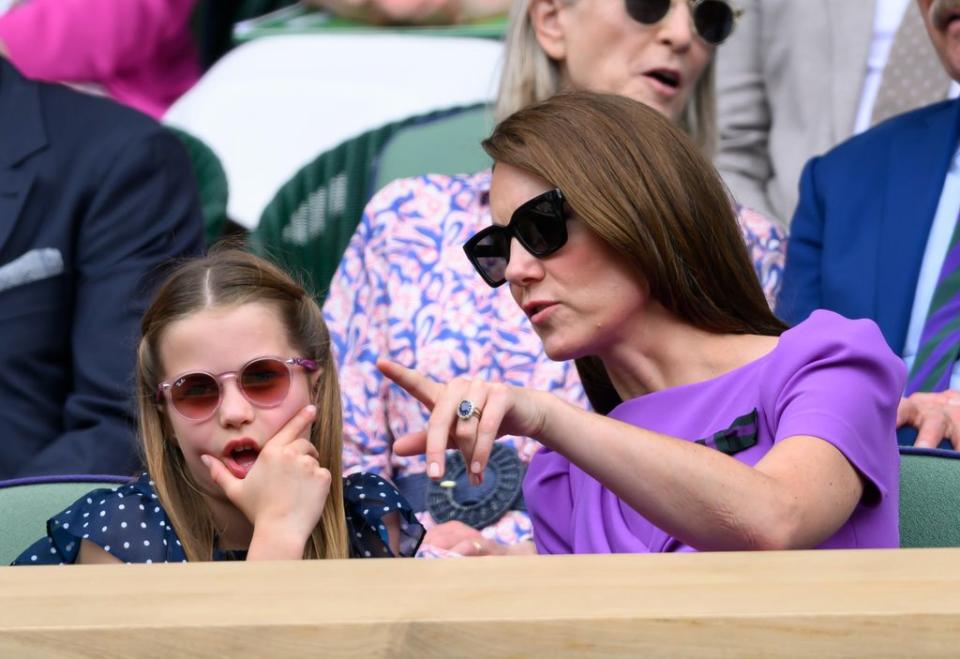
(530,76)
(230,277)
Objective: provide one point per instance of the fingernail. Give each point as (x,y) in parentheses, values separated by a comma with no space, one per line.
(475,467)
(311,409)
(433,470)
(205,459)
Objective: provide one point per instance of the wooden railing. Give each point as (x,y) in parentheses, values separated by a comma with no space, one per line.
(903,603)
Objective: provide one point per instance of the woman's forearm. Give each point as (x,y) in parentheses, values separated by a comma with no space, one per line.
(705,498)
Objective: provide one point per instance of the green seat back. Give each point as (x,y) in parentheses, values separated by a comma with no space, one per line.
(929,498)
(307,225)
(444,145)
(211,183)
(25,509)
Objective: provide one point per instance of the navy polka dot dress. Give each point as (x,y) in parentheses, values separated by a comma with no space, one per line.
(129,523)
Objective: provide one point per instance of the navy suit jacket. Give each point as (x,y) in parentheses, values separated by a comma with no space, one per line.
(113,193)
(859,232)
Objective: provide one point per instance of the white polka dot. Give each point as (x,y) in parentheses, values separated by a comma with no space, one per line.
(89,500)
(363,496)
(70,547)
(102,513)
(86,514)
(146,543)
(161,523)
(383,494)
(106,548)
(66,526)
(141,507)
(359,535)
(86,524)
(123,525)
(149,560)
(143,525)
(102,501)
(120,507)
(86,535)
(119,494)
(164,542)
(178,543)
(386,508)
(126,545)
(157,509)
(366,553)
(104,529)
(53,550)
(66,513)
(33,558)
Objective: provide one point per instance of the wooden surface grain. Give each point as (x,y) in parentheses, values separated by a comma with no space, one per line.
(818,603)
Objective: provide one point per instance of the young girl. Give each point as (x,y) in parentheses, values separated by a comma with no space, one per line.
(241,428)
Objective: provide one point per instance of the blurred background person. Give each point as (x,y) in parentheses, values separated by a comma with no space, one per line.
(797,78)
(138,52)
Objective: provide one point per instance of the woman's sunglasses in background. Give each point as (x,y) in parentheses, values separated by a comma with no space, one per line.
(263,381)
(713,19)
(539,224)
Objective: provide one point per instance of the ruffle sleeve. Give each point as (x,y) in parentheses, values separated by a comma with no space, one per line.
(127,522)
(368,500)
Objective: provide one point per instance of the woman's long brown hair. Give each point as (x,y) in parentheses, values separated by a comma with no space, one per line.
(643,187)
(224,278)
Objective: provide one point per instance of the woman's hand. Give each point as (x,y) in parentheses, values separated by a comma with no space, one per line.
(935,416)
(284,493)
(504,410)
(459,538)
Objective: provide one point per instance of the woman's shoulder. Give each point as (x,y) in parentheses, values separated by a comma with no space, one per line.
(831,350)
(126,521)
(826,333)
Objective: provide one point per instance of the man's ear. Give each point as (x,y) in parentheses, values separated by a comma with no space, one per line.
(545,19)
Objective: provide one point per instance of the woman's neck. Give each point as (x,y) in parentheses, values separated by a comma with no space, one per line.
(662,352)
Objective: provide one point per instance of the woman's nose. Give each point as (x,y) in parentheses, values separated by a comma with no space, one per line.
(523,267)
(676,28)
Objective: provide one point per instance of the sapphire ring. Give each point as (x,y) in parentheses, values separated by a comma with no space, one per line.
(466,409)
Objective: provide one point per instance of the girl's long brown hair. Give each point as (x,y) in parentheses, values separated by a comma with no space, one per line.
(230,277)
(645,188)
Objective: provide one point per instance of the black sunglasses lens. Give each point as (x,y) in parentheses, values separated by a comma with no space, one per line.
(540,229)
(713,20)
(490,255)
(647,12)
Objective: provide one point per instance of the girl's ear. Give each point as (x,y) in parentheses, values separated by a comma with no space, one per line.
(316,382)
(545,19)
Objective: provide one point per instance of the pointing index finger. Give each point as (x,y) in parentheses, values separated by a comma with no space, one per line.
(415,383)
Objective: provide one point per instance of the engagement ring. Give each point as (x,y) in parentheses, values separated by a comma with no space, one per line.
(467,409)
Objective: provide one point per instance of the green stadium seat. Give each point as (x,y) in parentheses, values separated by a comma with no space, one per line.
(309,222)
(929,497)
(27,503)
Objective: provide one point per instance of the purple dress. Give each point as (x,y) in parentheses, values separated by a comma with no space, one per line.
(828,377)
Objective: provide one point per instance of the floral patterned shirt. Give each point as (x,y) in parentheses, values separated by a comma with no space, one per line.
(406,291)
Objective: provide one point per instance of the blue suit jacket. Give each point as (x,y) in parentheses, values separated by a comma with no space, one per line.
(113,193)
(859,232)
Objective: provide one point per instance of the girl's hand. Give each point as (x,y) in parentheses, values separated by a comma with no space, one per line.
(504,410)
(286,488)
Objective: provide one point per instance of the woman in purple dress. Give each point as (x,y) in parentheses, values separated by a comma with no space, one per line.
(721,429)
